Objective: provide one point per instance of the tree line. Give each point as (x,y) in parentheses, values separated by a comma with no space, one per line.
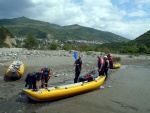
(140,45)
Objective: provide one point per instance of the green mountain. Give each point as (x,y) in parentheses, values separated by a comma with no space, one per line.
(139,45)
(143,39)
(84,33)
(23,26)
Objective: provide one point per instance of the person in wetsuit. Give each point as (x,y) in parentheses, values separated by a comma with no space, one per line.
(32,80)
(78,68)
(46,72)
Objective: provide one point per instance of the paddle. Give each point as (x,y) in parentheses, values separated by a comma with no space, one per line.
(4,65)
(8,67)
(75,55)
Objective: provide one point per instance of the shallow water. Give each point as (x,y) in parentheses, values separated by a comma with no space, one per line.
(123,66)
(132,90)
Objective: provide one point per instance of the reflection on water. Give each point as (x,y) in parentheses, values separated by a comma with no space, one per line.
(142,65)
(123,66)
(134,66)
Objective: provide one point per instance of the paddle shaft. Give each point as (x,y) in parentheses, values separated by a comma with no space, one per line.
(6,66)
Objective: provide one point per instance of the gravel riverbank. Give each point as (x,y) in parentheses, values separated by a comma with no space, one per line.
(128,92)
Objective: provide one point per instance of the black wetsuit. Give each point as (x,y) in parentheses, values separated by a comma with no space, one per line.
(45,73)
(31,79)
(105,68)
(99,63)
(77,70)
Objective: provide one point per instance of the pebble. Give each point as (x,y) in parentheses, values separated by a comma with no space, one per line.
(102,87)
(109,86)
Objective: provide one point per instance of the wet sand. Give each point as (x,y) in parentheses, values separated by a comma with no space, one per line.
(129,91)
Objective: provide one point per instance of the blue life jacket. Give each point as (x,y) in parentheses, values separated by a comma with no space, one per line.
(46,71)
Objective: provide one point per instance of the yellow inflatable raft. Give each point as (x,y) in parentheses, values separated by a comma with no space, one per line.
(64,91)
(15,70)
(116,65)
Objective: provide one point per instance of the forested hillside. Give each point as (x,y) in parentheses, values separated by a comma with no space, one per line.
(23,26)
(139,45)
(143,39)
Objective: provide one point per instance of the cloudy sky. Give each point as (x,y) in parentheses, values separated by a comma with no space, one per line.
(127,18)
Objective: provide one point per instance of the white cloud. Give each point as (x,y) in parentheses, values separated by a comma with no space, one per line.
(136,1)
(105,15)
(131,29)
(80,14)
(99,14)
(139,13)
(141,1)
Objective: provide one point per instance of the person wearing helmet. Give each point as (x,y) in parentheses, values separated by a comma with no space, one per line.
(47,75)
(106,66)
(33,79)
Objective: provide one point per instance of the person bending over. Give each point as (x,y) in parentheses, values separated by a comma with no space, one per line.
(33,80)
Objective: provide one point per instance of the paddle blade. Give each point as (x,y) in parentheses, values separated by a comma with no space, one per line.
(75,55)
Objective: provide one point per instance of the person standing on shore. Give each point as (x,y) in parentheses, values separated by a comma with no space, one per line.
(100,65)
(33,80)
(111,61)
(78,68)
(46,72)
(106,66)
